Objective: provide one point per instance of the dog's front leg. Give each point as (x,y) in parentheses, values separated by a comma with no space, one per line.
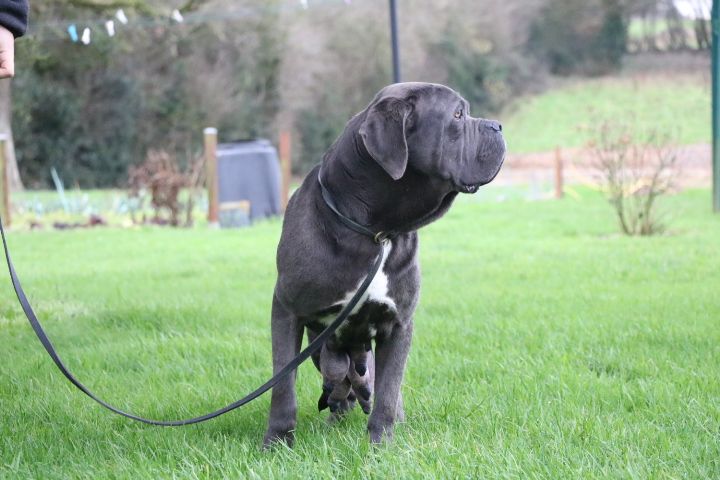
(286,341)
(390,357)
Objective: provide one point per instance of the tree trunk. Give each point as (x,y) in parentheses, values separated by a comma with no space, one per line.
(702,36)
(6,129)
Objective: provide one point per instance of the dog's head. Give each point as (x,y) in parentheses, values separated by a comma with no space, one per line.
(428,127)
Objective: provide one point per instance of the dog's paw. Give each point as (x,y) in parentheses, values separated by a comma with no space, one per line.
(339,410)
(275,438)
(380,431)
(341,406)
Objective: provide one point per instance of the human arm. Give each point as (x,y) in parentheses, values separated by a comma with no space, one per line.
(13,23)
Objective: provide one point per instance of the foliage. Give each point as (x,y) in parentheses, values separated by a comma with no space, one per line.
(91,111)
(318,129)
(344,84)
(544,347)
(579,37)
(657,25)
(635,170)
(343,67)
(486,79)
(160,178)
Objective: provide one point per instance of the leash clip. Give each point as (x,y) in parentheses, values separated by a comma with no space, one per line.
(381,237)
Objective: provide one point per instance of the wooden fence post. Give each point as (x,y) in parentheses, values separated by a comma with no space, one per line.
(558,174)
(211,171)
(211,174)
(285,168)
(4,183)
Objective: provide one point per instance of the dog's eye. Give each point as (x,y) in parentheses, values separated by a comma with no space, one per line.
(458,114)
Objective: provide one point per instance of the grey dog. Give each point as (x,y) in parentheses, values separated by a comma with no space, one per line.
(397,166)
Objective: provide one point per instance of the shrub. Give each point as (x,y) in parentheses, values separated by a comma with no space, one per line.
(634,170)
(90,111)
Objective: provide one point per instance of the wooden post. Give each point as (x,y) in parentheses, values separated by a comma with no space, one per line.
(4,183)
(285,168)
(558,174)
(211,172)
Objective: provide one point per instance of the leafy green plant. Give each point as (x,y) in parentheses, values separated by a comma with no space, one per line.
(579,37)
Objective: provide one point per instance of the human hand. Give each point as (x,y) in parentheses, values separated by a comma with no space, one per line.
(7,53)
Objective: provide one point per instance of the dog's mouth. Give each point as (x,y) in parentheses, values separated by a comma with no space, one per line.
(473,187)
(470,188)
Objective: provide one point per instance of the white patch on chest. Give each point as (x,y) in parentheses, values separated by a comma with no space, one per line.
(377,290)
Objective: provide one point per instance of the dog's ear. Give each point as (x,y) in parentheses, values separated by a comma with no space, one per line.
(383,133)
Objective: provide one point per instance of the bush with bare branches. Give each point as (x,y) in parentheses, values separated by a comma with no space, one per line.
(634,170)
(161,176)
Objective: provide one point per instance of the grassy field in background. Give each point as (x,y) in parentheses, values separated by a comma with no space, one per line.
(546,346)
(677,105)
(638,29)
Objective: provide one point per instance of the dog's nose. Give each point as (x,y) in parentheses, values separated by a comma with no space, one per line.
(493,125)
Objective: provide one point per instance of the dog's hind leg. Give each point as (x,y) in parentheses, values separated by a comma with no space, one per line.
(286,340)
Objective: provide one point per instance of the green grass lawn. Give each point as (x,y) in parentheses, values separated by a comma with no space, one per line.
(546,346)
(568,116)
(659,29)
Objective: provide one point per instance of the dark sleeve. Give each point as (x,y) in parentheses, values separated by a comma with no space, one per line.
(14,15)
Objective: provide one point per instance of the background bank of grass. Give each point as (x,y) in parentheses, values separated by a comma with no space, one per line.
(674,104)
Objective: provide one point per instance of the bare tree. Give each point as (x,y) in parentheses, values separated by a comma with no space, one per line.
(701,23)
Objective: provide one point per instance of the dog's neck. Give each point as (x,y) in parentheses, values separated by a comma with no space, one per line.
(364,192)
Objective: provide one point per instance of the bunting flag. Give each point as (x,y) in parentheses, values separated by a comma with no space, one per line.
(72,31)
(177,16)
(120,15)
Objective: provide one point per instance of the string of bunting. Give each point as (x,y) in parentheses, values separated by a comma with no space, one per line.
(120,16)
(82,31)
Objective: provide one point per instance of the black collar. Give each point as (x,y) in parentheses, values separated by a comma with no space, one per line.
(378,237)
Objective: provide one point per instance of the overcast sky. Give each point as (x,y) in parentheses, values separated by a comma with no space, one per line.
(694,8)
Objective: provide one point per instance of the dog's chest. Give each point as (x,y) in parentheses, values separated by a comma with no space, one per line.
(378,291)
(375,309)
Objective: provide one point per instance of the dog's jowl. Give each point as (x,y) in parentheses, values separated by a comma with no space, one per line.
(397,166)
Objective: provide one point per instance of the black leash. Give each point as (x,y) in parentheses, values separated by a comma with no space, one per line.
(314,346)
